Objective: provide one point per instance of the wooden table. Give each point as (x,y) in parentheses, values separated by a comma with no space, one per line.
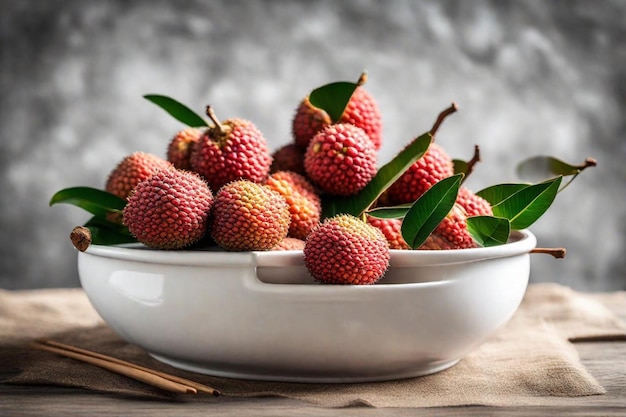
(606,361)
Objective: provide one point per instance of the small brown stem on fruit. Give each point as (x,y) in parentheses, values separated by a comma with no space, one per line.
(557,253)
(472,162)
(81,238)
(362,79)
(447,112)
(214,119)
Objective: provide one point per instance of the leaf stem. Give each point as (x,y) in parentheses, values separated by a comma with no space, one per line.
(447,112)
(589,162)
(569,182)
(557,253)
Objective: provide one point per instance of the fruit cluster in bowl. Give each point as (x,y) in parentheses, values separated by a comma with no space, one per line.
(324,193)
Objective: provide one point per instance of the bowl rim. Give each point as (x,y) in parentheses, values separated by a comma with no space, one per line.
(522,241)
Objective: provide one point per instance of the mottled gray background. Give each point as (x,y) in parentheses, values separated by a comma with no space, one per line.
(531,77)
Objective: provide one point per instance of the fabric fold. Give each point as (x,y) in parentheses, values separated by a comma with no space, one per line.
(525,362)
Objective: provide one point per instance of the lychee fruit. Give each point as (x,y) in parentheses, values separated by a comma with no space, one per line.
(289,157)
(346,250)
(473,204)
(169,210)
(361,110)
(431,168)
(392,230)
(289,243)
(340,159)
(451,233)
(300,183)
(307,121)
(131,170)
(181,145)
(249,216)
(304,205)
(231,150)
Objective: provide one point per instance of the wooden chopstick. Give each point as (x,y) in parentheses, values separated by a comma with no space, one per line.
(149,376)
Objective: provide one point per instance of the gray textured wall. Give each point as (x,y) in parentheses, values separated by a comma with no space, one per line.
(530,77)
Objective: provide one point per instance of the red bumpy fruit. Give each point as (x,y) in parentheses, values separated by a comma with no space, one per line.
(346,250)
(232,150)
(392,230)
(289,243)
(249,216)
(431,168)
(361,110)
(340,159)
(289,157)
(473,204)
(180,147)
(451,233)
(133,169)
(169,210)
(304,205)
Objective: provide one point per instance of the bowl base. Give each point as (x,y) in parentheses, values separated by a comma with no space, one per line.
(422,370)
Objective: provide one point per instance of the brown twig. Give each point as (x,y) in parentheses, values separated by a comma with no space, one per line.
(472,162)
(81,238)
(149,376)
(362,79)
(557,253)
(447,112)
(589,162)
(214,119)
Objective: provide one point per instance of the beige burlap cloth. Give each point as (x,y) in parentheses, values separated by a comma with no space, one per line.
(529,359)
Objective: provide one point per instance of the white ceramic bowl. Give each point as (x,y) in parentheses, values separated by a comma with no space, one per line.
(259,315)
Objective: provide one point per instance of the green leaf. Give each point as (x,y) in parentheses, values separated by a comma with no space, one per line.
(540,168)
(95,201)
(527,205)
(333,98)
(429,210)
(385,176)
(489,230)
(178,110)
(460,166)
(500,192)
(394,212)
(107,233)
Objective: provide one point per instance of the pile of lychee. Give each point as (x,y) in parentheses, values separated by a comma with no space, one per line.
(221,185)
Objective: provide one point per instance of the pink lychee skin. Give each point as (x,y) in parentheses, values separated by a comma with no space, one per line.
(361,110)
(305,206)
(169,210)
(248,216)
(392,229)
(131,170)
(290,243)
(289,157)
(181,145)
(300,183)
(473,204)
(346,250)
(307,122)
(451,233)
(431,168)
(340,159)
(241,153)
